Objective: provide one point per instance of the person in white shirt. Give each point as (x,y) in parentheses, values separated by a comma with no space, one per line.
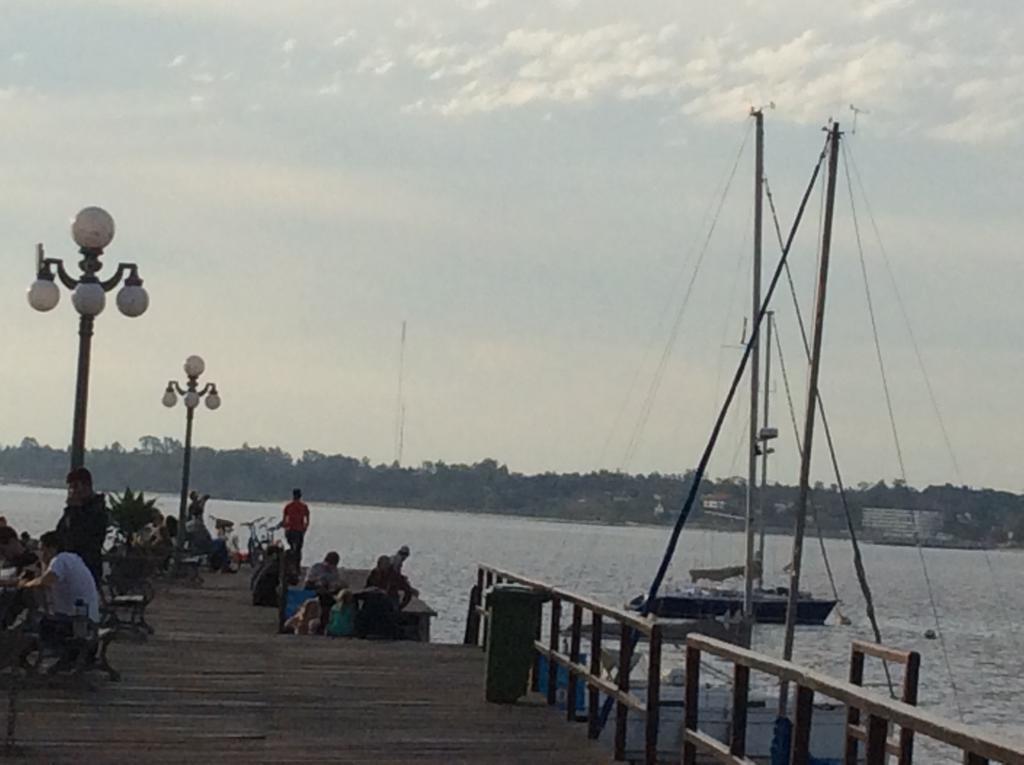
(69,589)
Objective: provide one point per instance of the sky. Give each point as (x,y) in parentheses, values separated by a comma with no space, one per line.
(530,186)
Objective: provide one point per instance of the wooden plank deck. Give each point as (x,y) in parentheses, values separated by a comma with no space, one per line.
(216,684)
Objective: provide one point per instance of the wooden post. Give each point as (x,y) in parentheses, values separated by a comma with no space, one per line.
(535,669)
(653,697)
(740,687)
(878,737)
(478,627)
(621,710)
(853,713)
(910,677)
(488,583)
(472,635)
(556,627)
(574,657)
(594,695)
(691,709)
(801,752)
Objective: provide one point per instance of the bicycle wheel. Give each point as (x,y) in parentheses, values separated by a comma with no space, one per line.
(256,555)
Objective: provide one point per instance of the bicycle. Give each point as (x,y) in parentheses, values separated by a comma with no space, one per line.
(261,537)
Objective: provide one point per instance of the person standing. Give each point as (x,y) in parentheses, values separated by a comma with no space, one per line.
(295,523)
(82,528)
(197,504)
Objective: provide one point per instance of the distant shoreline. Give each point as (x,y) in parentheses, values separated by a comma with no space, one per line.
(698,523)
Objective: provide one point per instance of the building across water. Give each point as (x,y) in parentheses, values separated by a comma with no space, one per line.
(905,526)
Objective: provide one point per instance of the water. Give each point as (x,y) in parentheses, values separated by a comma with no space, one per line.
(979,596)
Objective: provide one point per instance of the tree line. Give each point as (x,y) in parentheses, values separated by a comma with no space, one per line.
(269,474)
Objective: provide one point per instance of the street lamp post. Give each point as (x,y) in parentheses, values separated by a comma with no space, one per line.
(190,394)
(92,230)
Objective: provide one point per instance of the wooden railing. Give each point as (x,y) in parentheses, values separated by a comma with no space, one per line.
(978,748)
(630,626)
(903,748)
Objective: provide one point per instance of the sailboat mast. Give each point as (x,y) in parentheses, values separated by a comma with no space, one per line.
(748,579)
(400,402)
(810,410)
(770,317)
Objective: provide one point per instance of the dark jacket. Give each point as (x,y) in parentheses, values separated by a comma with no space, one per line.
(83,530)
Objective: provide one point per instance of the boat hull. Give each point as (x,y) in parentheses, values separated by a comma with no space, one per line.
(809,611)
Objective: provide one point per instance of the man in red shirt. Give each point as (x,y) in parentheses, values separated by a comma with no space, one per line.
(295,523)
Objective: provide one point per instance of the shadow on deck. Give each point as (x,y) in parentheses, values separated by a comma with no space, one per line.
(215,684)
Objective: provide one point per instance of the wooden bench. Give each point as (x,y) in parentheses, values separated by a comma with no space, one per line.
(22,654)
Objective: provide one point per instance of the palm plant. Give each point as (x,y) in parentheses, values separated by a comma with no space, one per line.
(131,513)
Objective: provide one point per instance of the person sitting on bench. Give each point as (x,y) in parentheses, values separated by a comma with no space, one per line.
(70,593)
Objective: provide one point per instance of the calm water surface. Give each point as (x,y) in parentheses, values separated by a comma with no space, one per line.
(979,596)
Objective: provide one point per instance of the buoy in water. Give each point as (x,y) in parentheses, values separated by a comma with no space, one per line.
(930,634)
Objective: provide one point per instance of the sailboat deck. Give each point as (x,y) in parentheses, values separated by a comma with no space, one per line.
(216,684)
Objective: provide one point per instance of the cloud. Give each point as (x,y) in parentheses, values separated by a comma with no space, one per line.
(876,8)
(177,61)
(342,39)
(379,62)
(289,45)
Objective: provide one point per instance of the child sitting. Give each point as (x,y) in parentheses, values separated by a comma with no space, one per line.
(305,621)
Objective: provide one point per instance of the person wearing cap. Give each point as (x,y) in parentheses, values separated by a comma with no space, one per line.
(82,528)
(399,558)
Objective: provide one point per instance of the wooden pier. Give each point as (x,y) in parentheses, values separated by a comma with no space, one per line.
(216,684)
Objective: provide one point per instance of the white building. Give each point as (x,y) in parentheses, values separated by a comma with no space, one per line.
(893,524)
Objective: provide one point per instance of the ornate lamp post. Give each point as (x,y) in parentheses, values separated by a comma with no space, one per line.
(92,230)
(191,394)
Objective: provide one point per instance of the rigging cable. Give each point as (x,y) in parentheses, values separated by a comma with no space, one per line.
(858,560)
(895,434)
(905,315)
(799,449)
(698,475)
(709,447)
(652,391)
(923,369)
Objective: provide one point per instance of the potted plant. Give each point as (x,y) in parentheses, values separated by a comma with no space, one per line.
(130,513)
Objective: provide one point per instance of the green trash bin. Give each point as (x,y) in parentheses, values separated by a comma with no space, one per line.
(513,621)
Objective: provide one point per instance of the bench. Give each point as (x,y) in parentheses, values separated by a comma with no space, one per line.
(21,666)
(127,614)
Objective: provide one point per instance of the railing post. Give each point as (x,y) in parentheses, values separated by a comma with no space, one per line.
(575,638)
(853,713)
(481,620)
(653,696)
(488,583)
(802,726)
(556,627)
(535,667)
(691,709)
(621,710)
(910,679)
(740,688)
(878,737)
(594,695)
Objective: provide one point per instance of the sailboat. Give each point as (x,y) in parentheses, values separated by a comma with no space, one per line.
(764,720)
(754,603)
